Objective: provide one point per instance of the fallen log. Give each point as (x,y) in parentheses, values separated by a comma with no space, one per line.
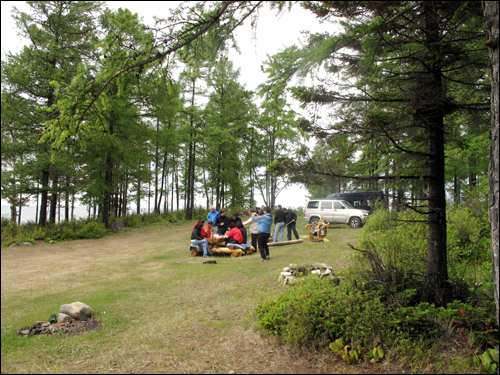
(284,243)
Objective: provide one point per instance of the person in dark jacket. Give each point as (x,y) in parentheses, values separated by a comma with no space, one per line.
(197,239)
(291,221)
(221,222)
(234,219)
(243,231)
(279,222)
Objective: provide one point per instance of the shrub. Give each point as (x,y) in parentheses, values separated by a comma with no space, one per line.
(392,254)
(92,229)
(132,221)
(468,235)
(314,310)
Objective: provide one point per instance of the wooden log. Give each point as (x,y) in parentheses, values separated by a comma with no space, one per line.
(223,250)
(237,253)
(194,252)
(284,243)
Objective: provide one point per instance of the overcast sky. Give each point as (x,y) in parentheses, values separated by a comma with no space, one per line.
(273,33)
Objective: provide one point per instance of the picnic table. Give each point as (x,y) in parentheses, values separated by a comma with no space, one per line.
(218,246)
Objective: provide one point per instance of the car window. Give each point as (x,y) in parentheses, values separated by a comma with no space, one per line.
(347,204)
(326,205)
(313,204)
(338,206)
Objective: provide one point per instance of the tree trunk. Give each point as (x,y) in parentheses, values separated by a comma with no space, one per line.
(53,200)
(435,289)
(45,197)
(20,209)
(13,212)
(157,203)
(491,15)
(108,184)
(124,199)
(66,207)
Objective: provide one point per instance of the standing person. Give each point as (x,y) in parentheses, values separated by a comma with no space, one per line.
(254,228)
(234,235)
(262,210)
(221,223)
(207,231)
(212,215)
(197,239)
(291,221)
(279,222)
(265,221)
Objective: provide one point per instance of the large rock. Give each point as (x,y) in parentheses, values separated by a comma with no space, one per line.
(76,310)
(118,226)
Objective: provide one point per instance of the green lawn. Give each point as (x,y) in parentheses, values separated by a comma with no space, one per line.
(162,310)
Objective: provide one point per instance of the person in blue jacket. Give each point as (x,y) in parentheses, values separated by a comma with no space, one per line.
(212,215)
(265,221)
(221,222)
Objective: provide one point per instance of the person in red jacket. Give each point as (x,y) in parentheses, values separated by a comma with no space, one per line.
(234,235)
(207,231)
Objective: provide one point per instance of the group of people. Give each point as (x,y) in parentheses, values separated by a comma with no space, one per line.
(234,230)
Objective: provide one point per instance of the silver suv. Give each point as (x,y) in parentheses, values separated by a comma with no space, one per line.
(335,211)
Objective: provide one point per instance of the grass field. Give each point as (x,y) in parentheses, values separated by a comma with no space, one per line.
(162,310)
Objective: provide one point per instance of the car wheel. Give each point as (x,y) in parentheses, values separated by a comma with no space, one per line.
(313,221)
(355,222)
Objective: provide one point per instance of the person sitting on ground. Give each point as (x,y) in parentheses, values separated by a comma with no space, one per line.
(243,231)
(207,231)
(234,235)
(254,228)
(197,239)
(212,215)
(221,223)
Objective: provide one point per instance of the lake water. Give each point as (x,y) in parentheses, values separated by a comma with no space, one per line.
(28,213)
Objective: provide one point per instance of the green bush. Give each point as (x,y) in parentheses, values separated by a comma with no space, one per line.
(392,254)
(132,221)
(468,235)
(92,229)
(313,309)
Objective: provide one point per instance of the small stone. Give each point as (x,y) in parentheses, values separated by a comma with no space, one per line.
(64,318)
(13,244)
(326,273)
(76,310)
(291,280)
(25,244)
(286,269)
(286,273)
(293,266)
(232,372)
(25,331)
(316,272)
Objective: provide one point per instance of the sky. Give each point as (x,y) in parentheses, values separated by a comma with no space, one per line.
(273,33)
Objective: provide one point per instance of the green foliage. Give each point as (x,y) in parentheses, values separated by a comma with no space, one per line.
(92,229)
(488,360)
(302,315)
(393,251)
